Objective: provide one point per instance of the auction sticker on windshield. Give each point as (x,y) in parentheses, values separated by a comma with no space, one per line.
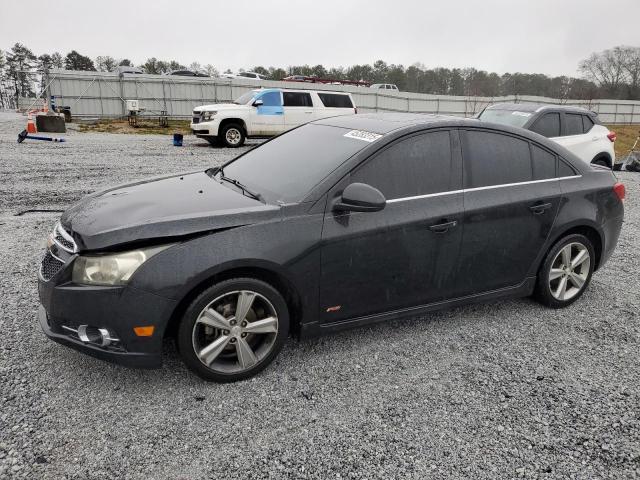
(362,135)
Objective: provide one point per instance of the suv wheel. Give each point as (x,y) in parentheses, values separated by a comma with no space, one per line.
(233,330)
(232,135)
(565,272)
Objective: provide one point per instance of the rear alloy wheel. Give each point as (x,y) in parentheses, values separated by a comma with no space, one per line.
(233,330)
(232,135)
(566,271)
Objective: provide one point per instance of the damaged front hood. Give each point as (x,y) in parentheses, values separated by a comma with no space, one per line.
(165,207)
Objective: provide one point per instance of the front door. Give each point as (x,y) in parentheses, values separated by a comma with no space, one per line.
(406,254)
(267,119)
(511,199)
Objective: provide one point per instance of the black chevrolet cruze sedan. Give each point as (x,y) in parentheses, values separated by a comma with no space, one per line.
(337,223)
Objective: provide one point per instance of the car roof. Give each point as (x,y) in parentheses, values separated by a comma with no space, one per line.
(299,90)
(536,107)
(383,123)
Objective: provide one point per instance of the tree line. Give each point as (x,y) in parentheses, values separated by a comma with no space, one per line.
(613,73)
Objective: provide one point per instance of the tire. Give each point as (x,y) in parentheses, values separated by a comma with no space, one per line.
(549,290)
(602,162)
(213,141)
(232,135)
(213,343)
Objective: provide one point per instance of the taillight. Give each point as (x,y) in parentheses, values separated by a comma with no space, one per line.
(620,190)
(612,136)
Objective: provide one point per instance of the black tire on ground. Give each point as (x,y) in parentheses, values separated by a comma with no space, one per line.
(543,290)
(232,135)
(185,337)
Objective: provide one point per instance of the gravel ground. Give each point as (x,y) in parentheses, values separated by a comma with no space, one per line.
(501,390)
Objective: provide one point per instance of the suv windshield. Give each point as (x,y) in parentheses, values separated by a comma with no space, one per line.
(505,117)
(286,168)
(244,99)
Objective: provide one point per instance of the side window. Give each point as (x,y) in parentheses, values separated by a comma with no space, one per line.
(548,125)
(565,170)
(271,99)
(587,123)
(297,99)
(333,100)
(543,163)
(382,86)
(418,165)
(494,159)
(573,124)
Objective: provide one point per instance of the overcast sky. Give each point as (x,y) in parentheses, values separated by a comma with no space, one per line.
(535,36)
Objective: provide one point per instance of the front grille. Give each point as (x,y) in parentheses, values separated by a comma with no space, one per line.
(50,266)
(196,119)
(65,243)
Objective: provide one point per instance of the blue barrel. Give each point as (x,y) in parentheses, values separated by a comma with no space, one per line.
(177,139)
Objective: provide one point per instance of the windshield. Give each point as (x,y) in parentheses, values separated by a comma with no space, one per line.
(244,99)
(505,117)
(286,168)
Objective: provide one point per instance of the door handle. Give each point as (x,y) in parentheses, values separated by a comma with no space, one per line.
(309,111)
(539,208)
(443,227)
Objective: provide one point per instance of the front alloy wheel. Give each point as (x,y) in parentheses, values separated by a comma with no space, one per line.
(233,330)
(233,135)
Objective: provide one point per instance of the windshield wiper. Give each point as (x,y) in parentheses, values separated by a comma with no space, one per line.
(244,188)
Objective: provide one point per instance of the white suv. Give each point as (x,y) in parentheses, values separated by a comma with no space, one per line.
(266,112)
(576,129)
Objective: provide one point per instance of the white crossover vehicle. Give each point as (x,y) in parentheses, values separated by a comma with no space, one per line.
(266,112)
(576,129)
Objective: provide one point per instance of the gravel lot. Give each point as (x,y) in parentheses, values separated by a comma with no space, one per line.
(501,390)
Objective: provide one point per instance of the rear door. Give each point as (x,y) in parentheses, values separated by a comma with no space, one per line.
(298,109)
(406,254)
(574,137)
(511,199)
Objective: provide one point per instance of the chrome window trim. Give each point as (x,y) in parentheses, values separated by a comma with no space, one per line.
(476,189)
(64,234)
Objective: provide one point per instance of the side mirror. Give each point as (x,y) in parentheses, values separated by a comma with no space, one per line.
(360,197)
(257,103)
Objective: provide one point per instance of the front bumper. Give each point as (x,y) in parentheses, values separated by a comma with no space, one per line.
(127,359)
(209,129)
(65,306)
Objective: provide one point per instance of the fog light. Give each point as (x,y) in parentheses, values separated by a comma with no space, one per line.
(97,336)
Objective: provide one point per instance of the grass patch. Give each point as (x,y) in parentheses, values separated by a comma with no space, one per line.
(627,134)
(143,127)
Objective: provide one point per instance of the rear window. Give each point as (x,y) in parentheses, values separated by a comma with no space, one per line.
(332,100)
(587,123)
(297,99)
(505,117)
(573,124)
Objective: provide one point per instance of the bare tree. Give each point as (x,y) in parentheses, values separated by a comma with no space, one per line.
(106,63)
(632,68)
(607,69)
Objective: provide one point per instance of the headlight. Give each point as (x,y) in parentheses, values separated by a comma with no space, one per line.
(111,269)
(206,116)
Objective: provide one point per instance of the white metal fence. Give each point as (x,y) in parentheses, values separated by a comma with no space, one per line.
(103,95)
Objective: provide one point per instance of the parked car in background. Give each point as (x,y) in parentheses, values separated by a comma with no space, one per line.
(385,86)
(122,69)
(577,129)
(341,222)
(187,73)
(266,112)
(245,76)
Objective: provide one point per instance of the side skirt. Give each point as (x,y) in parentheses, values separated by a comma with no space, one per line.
(314,329)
